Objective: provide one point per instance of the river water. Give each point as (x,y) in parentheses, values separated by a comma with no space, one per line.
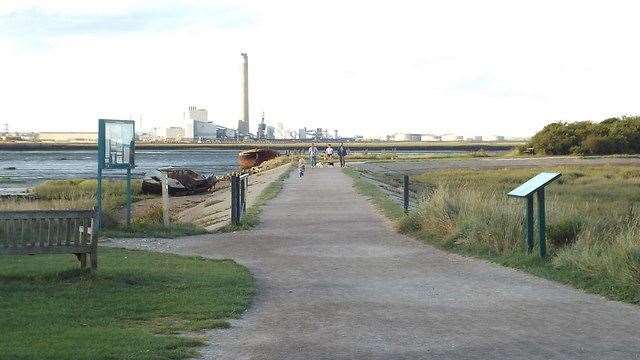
(23,169)
(33,167)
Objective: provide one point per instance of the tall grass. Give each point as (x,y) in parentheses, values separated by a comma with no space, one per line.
(593,222)
(76,194)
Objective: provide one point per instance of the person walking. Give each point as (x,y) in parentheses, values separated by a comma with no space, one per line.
(313,154)
(301,167)
(342,152)
(329,154)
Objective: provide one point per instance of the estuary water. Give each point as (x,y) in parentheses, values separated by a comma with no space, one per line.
(20,170)
(23,169)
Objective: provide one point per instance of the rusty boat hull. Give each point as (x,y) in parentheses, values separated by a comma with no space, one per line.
(254,157)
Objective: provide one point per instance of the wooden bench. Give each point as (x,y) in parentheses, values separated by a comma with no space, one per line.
(49,232)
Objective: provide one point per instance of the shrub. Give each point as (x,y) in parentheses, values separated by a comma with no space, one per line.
(152,216)
(565,232)
(611,136)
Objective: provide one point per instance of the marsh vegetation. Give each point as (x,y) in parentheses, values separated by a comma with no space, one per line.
(593,222)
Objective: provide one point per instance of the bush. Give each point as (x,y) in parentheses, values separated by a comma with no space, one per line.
(565,232)
(611,136)
(153,215)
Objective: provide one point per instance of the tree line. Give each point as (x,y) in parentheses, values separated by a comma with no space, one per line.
(610,136)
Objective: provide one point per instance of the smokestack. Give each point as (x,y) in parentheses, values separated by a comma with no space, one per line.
(244,129)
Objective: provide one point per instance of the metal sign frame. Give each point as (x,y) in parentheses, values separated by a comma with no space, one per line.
(536,186)
(103,165)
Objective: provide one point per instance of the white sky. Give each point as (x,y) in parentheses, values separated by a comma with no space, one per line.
(363,67)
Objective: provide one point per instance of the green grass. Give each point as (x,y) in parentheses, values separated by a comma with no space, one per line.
(132,308)
(150,224)
(140,230)
(252,217)
(371,191)
(593,223)
(80,194)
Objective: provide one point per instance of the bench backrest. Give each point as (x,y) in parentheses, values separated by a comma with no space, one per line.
(45,229)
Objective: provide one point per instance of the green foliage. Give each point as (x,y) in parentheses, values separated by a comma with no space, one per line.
(151,230)
(565,231)
(132,308)
(371,191)
(150,224)
(593,223)
(81,188)
(611,136)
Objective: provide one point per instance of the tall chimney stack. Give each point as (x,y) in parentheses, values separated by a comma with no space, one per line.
(243,126)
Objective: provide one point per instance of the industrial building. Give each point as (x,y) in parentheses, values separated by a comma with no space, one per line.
(204,130)
(175,132)
(430,137)
(195,114)
(494,138)
(68,136)
(271,133)
(405,137)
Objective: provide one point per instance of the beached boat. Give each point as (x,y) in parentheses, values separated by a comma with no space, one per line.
(181,181)
(254,157)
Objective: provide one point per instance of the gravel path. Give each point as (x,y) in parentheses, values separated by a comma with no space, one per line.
(336,282)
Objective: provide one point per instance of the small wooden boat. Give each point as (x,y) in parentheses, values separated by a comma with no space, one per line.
(182,181)
(254,157)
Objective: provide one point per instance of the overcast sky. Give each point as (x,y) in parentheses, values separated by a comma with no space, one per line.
(363,67)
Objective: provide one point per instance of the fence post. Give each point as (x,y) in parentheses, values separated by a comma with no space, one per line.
(165,198)
(235,219)
(243,192)
(129,196)
(406,193)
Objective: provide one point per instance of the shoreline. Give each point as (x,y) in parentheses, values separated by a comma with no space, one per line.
(284,146)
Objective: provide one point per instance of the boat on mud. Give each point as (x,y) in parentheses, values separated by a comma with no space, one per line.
(254,157)
(181,181)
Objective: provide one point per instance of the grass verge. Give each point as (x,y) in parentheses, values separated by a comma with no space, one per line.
(593,227)
(132,308)
(147,230)
(252,217)
(371,191)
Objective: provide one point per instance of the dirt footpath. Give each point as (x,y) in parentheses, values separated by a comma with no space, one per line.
(335,281)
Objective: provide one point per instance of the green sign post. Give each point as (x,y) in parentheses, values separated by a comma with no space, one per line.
(536,186)
(116,150)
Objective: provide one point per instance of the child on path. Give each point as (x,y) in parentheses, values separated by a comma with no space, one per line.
(301,167)
(329,155)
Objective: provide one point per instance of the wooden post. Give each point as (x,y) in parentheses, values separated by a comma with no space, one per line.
(406,193)
(129,196)
(235,206)
(99,199)
(165,198)
(542,222)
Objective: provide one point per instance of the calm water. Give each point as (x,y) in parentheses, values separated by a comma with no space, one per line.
(33,167)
